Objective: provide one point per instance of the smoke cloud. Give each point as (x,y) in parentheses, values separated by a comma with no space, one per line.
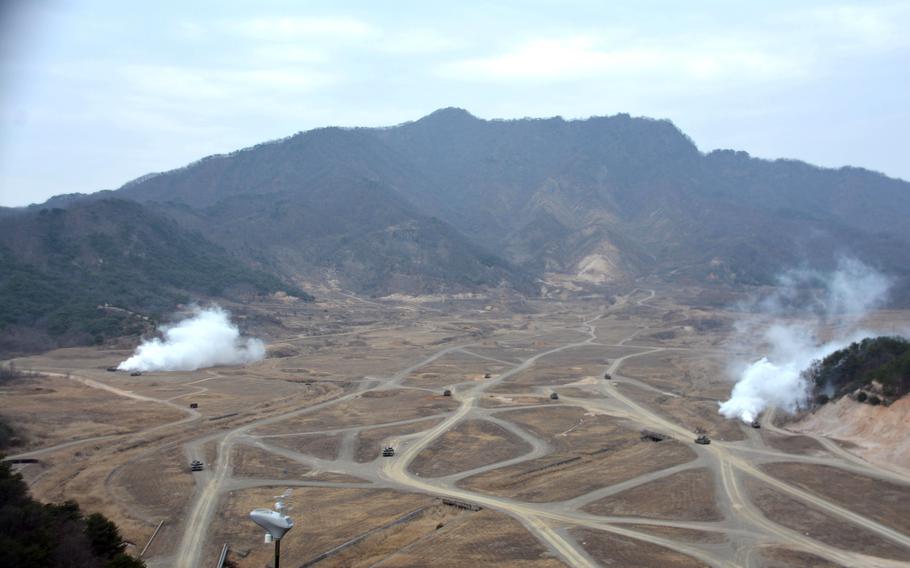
(815,298)
(206,338)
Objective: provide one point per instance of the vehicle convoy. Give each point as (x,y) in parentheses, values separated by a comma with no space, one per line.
(703,440)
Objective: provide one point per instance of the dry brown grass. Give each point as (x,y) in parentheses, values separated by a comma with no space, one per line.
(614,550)
(591,452)
(691,414)
(879,500)
(369,442)
(326,519)
(486,538)
(52,410)
(472,444)
(813,523)
(779,557)
(686,495)
(373,407)
(800,445)
(249,461)
(681,534)
(322,446)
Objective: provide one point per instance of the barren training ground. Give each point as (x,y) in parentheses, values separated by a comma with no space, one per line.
(498,473)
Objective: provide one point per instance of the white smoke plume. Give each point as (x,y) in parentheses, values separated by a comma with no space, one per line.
(776,379)
(206,338)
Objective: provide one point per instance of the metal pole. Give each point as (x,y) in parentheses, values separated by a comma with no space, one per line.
(277,551)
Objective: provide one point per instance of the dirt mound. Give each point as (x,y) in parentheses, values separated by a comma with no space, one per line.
(882,433)
(281,351)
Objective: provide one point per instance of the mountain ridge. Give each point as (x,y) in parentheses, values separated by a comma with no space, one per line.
(451,203)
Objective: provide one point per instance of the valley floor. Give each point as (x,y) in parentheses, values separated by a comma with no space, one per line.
(499,472)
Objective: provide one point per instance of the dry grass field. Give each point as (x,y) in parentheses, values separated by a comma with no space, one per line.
(687,495)
(811,522)
(346,376)
(614,550)
(472,444)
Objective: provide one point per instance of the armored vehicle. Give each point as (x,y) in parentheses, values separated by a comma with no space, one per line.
(554,396)
(388,452)
(703,440)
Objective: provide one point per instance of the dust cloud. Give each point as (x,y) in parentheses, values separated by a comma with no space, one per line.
(204,339)
(790,322)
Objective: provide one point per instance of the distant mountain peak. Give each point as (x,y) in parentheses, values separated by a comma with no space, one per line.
(449,114)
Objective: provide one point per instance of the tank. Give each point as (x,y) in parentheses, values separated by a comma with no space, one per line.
(136,374)
(196,465)
(554,396)
(703,440)
(487,375)
(388,452)
(756,424)
(608,377)
(447,392)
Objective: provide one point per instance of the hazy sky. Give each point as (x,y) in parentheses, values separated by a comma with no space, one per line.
(95,93)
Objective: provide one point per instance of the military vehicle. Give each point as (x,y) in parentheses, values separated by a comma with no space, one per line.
(196,465)
(703,440)
(194,405)
(756,424)
(112,369)
(554,396)
(608,377)
(487,375)
(136,374)
(388,452)
(447,392)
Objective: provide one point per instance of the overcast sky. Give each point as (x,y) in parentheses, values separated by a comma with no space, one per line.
(95,93)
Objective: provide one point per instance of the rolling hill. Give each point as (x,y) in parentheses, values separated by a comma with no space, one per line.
(103,268)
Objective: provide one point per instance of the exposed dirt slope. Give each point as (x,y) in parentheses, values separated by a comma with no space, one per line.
(882,433)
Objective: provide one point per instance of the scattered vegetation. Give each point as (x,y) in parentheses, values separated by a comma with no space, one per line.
(103,269)
(9,438)
(10,372)
(36,535)
(874,370)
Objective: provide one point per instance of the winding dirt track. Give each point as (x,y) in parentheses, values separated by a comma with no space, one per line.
(546,521)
